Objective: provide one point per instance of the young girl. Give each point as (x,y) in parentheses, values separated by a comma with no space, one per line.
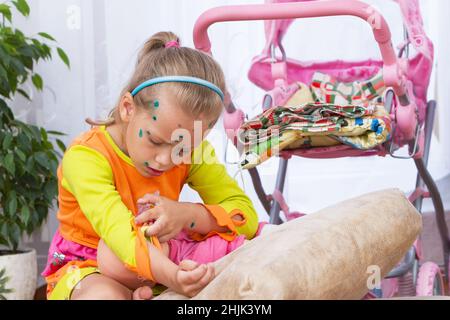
(140,158)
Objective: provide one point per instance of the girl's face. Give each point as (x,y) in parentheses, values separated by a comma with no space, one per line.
(160,135)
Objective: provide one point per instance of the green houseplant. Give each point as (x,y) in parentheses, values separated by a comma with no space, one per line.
(28,157)
(3,283)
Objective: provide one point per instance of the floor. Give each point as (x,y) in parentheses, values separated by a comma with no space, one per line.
(432,245)
(431,242)
(40,293)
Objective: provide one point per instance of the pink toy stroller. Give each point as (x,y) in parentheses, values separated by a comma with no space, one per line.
(405,100)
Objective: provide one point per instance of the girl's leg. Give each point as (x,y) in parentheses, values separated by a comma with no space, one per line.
(99,287)
(188,279)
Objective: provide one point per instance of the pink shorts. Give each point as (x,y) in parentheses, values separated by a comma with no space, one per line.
(205,251)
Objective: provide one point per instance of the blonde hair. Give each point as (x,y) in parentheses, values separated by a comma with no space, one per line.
(155,60)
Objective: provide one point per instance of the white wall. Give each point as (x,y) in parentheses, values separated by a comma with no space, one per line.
(102,38)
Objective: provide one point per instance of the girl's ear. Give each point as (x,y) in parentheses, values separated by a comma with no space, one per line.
(127,107)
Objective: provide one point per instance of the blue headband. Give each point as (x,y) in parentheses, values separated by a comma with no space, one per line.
(184,79)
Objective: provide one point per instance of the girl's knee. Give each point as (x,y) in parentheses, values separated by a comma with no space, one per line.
(105,293)
(98,287)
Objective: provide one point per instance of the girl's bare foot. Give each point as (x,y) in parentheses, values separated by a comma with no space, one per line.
(143,293)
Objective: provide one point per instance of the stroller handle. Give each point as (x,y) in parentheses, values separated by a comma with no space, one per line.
(296,10)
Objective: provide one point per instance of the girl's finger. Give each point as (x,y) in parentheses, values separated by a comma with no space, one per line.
(165,237)
(198,286)
(195,275)
(187,265)
(155,229)
(195,288)
(149,198)
(192,291)
(207,278)
(209,275)
(148,215)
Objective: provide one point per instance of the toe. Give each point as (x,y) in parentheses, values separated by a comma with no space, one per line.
(143,293)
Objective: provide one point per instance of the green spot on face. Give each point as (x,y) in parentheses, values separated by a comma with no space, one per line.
(154,118)
(192,225)
(141,133)
(146,164)
(156,104)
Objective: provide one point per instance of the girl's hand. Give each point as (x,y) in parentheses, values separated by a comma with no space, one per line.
(166,216)
(191,277)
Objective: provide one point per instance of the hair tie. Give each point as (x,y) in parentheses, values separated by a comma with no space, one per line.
(171,44)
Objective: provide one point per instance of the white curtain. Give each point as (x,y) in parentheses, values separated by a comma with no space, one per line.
(103,37)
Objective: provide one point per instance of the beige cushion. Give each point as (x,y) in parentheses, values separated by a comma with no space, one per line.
(325,255)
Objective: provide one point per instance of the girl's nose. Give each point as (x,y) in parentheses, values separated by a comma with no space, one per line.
(164,158)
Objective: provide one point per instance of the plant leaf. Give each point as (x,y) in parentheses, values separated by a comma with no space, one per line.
(21,155)
(61,145)
(44,134)
(47,36)
(7,141)
(3,240)
(37,81)
(8,161)
(4,229)
(14,235)
(36,133)
(51,190)
(12,206)
(23,93)
(25,214)
(22,6)
(42,159)
(3,73)
(56,133)
(63,57)
(5,11)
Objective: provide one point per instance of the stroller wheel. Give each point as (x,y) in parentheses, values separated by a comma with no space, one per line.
(429,280)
